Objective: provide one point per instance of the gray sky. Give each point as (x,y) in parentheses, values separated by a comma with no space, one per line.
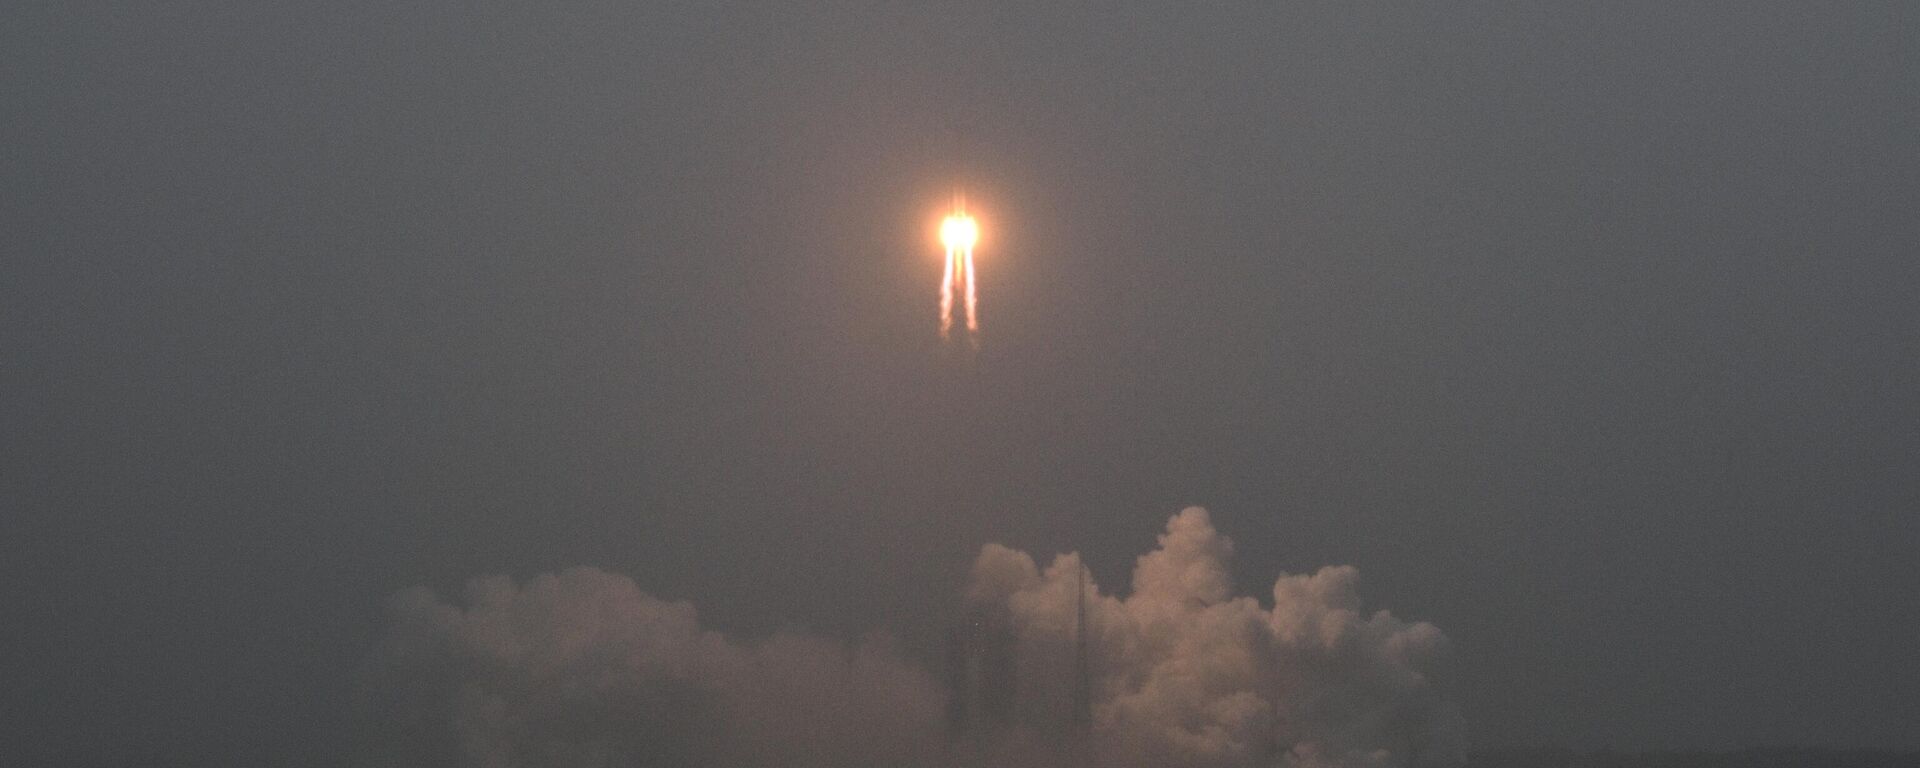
(1585,330)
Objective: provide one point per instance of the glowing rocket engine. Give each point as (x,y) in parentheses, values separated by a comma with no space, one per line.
(959,233)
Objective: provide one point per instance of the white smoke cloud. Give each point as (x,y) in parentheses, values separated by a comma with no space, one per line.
(1183,674)
(584,669)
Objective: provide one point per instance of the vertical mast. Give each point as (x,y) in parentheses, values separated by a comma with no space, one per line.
(1082,696)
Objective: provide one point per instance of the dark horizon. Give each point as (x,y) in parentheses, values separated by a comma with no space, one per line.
(1748,757)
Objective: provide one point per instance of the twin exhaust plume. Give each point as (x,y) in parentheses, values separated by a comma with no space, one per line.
(959,232)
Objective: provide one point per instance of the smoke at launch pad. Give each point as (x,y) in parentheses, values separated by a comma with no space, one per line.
(1043,667)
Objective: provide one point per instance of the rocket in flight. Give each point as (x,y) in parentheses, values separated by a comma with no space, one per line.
(959,233)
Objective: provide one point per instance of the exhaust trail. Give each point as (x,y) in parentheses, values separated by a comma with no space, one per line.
(973,299)
(946,298)
(959,232)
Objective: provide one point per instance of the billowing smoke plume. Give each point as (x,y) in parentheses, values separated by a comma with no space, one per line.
(584,669)
(1183,674)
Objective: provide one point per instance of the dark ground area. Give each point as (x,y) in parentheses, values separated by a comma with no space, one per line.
(1746,758)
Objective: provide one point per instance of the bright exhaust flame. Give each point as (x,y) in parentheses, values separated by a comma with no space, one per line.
(959,233)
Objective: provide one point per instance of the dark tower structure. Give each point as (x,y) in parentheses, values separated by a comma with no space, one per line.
(981,673)
(1082,676)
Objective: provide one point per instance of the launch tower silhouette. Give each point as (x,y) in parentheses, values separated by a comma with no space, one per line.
(984,677)
(1082,684)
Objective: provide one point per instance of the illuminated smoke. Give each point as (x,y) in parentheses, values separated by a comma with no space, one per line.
(584,670)
(1184,673)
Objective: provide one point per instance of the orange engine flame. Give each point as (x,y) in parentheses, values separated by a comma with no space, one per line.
(959,233)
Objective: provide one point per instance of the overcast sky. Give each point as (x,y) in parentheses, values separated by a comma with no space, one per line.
(1586,331)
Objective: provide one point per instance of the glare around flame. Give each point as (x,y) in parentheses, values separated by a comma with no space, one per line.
(959,232)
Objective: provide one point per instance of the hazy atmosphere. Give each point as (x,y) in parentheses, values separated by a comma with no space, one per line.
(561,384)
